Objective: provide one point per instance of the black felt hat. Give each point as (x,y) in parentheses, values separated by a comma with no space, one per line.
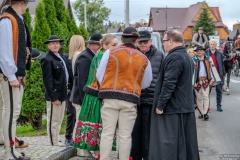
(53,38)
(144,35)
(95,38)
(199,48)
(130,32)
(36,54)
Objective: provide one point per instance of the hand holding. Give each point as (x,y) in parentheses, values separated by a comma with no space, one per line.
(14,83)
(56,103)
(159,111)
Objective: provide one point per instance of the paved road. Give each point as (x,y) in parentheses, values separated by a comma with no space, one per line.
(219,137)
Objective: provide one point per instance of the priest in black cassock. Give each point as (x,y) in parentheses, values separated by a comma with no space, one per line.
(173,134)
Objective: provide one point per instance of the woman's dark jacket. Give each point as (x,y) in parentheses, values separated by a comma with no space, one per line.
(173,93)
(54,77)
(155,57)
(81,71)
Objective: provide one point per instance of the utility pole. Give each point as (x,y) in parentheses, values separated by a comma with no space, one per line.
(85,15)
(126,13)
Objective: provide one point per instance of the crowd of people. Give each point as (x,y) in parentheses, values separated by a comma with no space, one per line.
(131,95)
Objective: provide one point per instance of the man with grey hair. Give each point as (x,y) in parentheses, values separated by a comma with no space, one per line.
(217,58)
(173,133)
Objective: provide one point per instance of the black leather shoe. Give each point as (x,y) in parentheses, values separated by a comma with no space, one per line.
(219,110)
(206,117)
(69,142)
(200,116)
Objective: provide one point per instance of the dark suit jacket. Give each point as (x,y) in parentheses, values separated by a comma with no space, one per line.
(81,71)
(54,77)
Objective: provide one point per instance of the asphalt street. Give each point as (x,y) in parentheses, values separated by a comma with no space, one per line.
(219,137)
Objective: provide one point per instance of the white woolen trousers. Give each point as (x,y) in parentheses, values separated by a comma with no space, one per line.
(12,103)
(55,115)
(124,113)
(203,99)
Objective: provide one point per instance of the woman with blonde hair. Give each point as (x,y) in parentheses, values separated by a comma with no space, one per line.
(76,46)
(191,52)
(89,126)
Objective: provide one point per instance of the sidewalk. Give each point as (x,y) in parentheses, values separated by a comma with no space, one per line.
(40,149)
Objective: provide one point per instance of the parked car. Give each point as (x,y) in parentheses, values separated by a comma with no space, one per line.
(156,38)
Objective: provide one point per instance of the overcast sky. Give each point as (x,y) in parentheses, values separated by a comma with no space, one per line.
(139,9)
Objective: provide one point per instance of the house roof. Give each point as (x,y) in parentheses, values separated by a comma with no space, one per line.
(182,17)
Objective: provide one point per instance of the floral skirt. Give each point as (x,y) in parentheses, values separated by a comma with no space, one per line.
(89,125)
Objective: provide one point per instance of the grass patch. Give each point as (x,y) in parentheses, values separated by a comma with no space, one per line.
(28,131)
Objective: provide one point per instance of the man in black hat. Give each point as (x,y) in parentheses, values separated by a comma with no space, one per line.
(203,79)
(56,77)
(199,38)
(140,135)
(14,41)
(122,73)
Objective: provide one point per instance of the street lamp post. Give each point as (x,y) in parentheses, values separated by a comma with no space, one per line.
(165,10)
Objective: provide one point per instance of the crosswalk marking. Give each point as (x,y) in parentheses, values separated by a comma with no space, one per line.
(234,81)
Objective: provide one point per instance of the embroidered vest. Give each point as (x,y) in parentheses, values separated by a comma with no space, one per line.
(18,40)
(238,43)
(206,66)
(123,76)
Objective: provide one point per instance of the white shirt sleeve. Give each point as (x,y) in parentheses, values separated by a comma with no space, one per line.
(7,64)
(102,66)
(147,77)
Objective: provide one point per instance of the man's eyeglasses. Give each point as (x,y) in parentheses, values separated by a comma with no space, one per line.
(164,40)
(144,42)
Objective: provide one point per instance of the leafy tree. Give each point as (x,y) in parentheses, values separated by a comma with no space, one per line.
(96,14)
(57,28)
(206,22)
(33,99)
(28,19)
(83,32)
(41,30)
(142,21)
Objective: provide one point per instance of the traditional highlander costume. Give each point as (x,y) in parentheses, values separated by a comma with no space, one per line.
(89,126)
(15,58)
(122,73)
(55,72)
(203,74)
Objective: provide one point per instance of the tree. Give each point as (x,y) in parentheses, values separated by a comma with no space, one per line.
(96,14)
(57,28)
(83,32)
(142,21)
(41,30)
(205,21)
(33,99)
(33,105)
(28,20)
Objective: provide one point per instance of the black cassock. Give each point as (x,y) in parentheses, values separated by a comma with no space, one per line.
(173,137)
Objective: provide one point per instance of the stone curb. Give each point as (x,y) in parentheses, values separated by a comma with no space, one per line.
(65,154)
